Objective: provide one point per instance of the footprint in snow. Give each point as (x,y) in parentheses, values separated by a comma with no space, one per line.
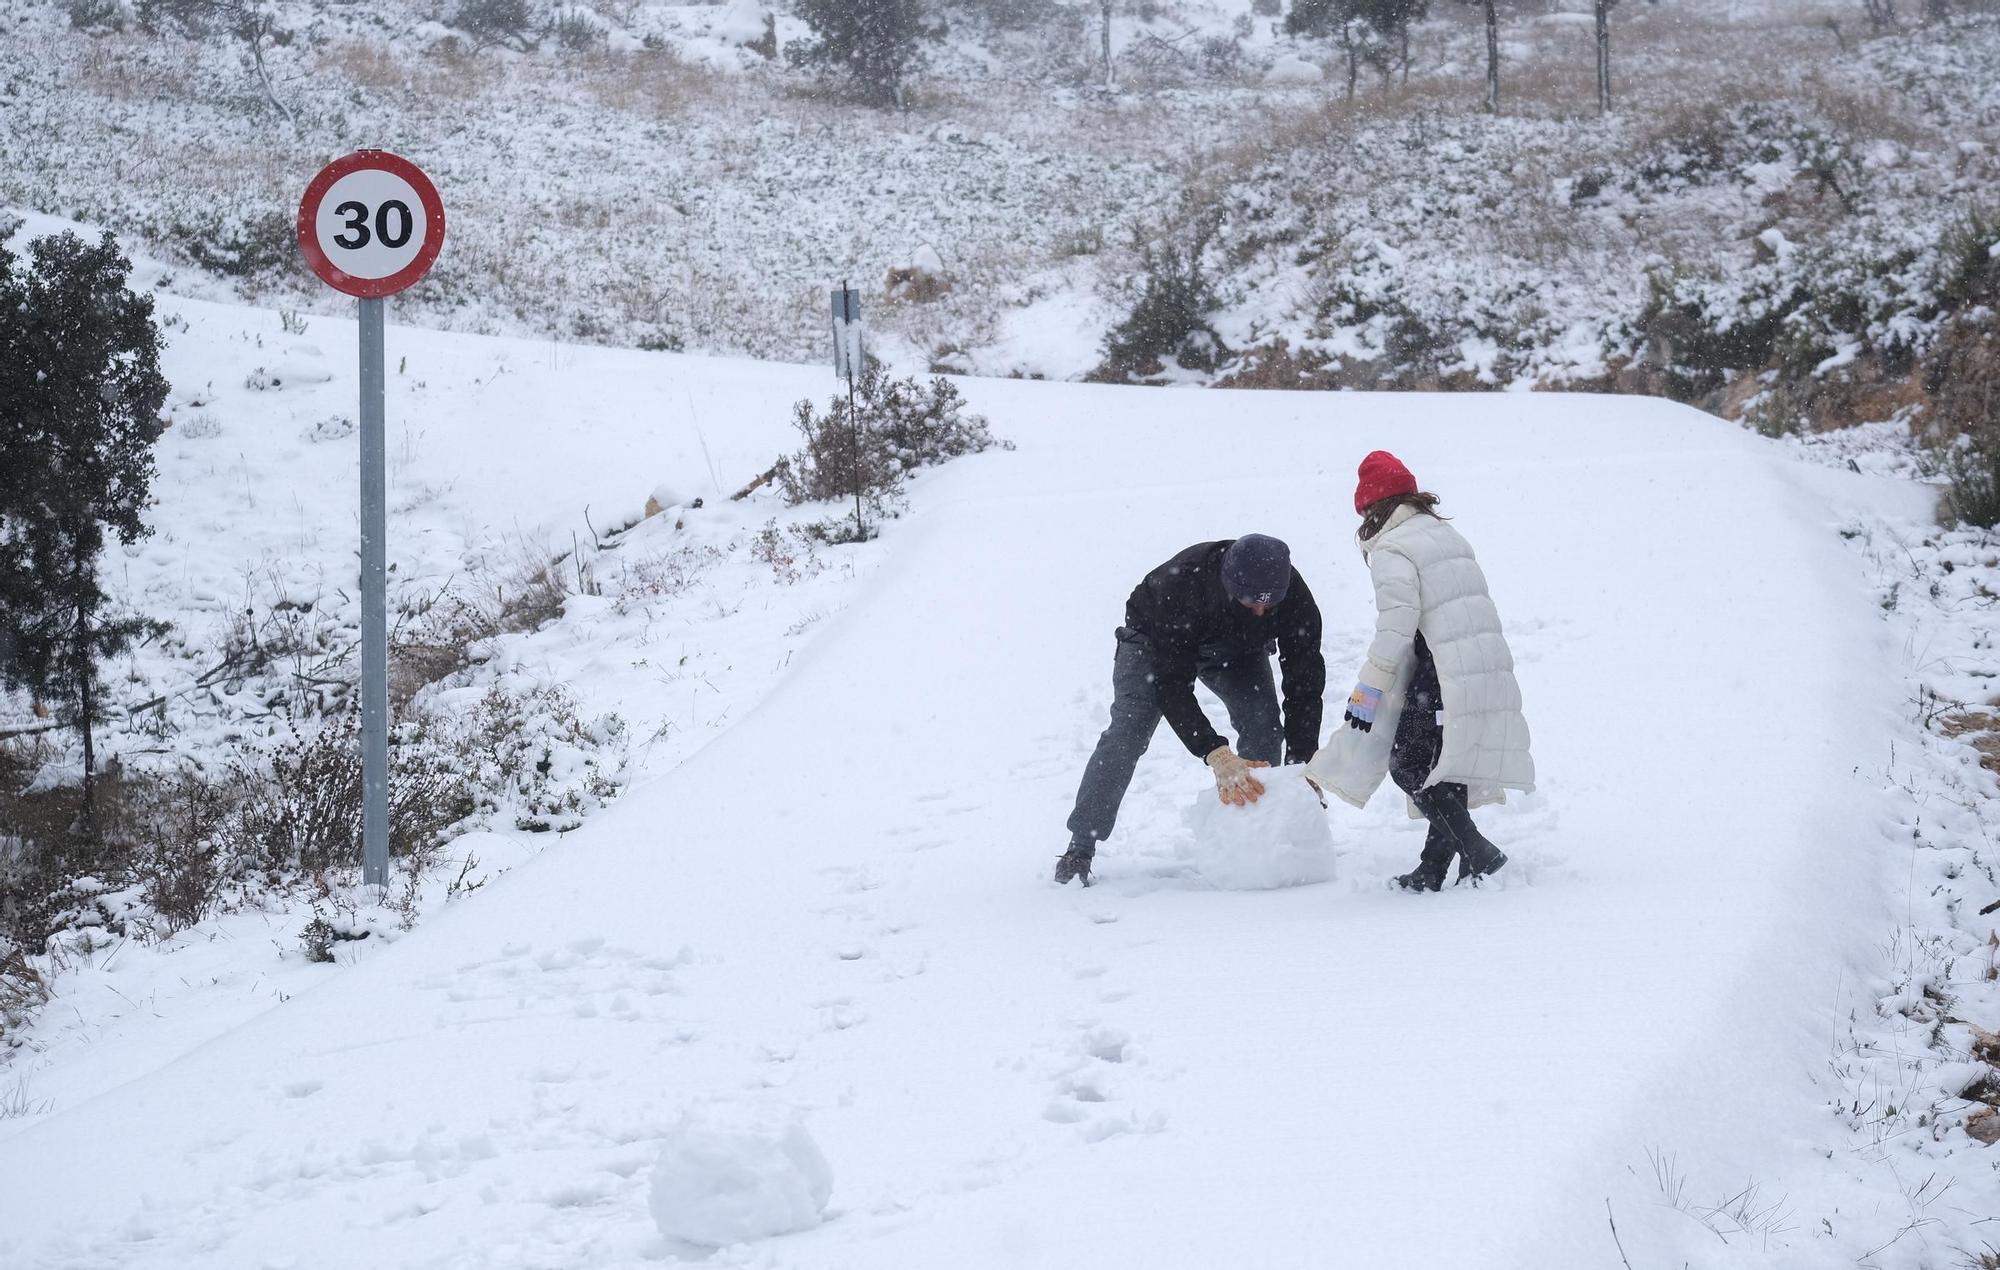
(1107,1044)
(1103,1130)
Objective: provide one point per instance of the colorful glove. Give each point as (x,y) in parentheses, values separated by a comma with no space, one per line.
(1361,706)
(1233,780)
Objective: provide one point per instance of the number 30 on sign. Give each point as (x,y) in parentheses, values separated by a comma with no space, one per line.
(371,224)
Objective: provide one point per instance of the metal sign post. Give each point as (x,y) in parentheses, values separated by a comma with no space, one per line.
(370,225)
(846,361)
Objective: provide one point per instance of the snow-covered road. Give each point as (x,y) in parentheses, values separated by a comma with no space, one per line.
(840,907)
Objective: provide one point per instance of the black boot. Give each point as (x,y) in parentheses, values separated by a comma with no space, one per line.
(1431,865)
(1477,858)
(1075,863)
(1480,860)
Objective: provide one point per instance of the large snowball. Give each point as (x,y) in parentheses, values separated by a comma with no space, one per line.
(717,1185)
(1282,839)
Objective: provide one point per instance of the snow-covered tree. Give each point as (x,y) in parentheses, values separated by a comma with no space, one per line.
(80,398)
(874,41)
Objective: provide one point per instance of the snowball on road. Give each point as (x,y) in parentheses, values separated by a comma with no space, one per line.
(1282,839)
(716,1185)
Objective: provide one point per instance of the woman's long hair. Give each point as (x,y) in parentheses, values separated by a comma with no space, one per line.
(1381,509)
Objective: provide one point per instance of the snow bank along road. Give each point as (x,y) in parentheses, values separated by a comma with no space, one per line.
(840,907)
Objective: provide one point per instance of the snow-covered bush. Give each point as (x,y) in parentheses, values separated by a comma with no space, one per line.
(893,428)
(508,22)
(96,15)
(1169,319)
(792,553)
(23,990)
(575,31)
(528,757)
(1972,474)
(181,866)
(300,809)
(874,41)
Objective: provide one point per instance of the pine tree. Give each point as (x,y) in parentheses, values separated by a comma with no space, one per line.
(1318,17)
(1352,24)
(875,41)
(80,398)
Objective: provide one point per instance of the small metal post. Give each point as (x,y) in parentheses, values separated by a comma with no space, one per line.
(853,417)
(374,606)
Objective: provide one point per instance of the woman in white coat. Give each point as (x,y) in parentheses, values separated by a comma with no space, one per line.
(1435,707)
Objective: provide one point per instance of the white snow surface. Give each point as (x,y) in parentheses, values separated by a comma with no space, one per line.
(835,906)
(1282,839)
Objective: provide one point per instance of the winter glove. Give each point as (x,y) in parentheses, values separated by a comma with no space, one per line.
(1361,706)
(1233,780)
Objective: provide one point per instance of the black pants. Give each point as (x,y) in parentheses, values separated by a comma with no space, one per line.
(1415,752)
(1419,736)
(1240,676)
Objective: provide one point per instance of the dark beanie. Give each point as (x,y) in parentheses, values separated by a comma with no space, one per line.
(1257,568)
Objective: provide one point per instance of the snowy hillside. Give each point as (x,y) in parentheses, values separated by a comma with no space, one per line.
(833,904)
(665,185)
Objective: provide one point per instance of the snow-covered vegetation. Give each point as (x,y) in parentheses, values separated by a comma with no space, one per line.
(1780,188)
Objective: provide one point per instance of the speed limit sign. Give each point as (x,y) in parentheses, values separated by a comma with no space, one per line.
(371,224)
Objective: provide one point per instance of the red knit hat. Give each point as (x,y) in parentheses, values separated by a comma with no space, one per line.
(1382,476)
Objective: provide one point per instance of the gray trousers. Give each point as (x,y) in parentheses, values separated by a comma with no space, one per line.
(1242,678)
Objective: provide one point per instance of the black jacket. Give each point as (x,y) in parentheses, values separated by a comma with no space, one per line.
(1185,617)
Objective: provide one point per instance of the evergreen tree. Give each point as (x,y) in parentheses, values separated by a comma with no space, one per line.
(80,399)
(1354,26)
(874,41)
(1319,17)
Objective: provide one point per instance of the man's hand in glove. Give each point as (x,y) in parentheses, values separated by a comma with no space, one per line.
(1361,706)
(1234,781)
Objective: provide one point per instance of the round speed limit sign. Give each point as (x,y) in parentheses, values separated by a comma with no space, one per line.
(371,224)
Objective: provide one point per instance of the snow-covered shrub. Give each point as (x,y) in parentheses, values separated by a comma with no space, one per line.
(576,31)
(23,990)
(874,41)
(791,552)
(180,865)
(1962,371)
(57,847)
(97,15)
(508,22)
(902,426)
(529,758)
(1971,466)
(301,806)
(1700,338)
(1015,14)
(663,575)
(1169,319)
(237,244)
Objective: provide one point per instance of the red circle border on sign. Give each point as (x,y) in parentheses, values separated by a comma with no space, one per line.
(336,277)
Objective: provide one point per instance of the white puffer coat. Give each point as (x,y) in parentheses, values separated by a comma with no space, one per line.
(1427,580)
